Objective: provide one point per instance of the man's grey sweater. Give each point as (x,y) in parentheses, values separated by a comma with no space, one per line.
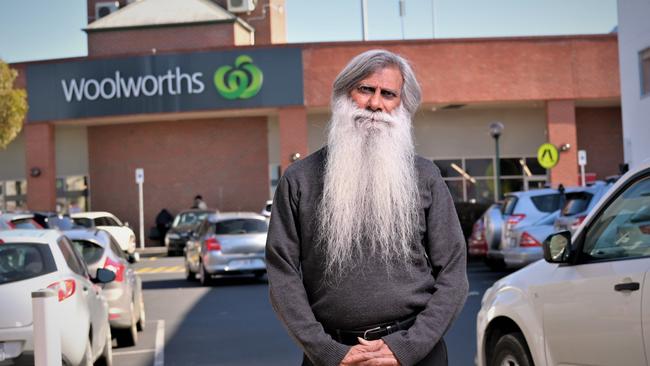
(434,289)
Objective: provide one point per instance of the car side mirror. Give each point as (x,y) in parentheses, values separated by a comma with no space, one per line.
(557,247)
(104,276)
(126,223)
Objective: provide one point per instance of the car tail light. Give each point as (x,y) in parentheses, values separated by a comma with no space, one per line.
(211,243)
(578,220)
(644,229)
(515,219)
(528,241)
(11,225)
(116,267)
(65,288)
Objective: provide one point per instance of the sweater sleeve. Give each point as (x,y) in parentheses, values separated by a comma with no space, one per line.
(287,292)
(445,246)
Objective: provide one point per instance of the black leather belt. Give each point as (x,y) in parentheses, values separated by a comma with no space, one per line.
(371,333)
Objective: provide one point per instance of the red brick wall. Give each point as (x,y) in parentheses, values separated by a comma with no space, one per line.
(293,134)
(163,39)
(600,132)
(484,70)
(224,160)
(561,126)
(39,150)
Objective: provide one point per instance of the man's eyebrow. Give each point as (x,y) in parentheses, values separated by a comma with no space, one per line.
(362,85)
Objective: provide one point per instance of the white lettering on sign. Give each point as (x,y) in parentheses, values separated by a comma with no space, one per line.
(172,82)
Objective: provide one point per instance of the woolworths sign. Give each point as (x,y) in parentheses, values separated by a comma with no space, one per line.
(166,83)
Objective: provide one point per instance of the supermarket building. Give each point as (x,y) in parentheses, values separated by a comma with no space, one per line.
(215,103)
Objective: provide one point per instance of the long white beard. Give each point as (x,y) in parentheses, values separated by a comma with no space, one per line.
(370,195)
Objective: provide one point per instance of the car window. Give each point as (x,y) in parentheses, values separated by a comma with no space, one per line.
(547,203)
(83,221)
(90,252)
(116,248)
(101,221)
(189,218)
(25,224)
(71,258)
(622,230)
(109,221)
(509,204)
(576,203)
(20,261)
(240,226)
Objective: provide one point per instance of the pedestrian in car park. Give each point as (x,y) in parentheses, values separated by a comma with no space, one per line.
(199,203)
(365,254)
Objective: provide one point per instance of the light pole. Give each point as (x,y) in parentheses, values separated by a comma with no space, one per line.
(496,128)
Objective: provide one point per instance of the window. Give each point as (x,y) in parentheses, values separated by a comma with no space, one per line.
(71,258)
(576,203)
(240,226)
(622,230)
(644,60)
(547,203)
(90,251)
(23,261)
(82,221)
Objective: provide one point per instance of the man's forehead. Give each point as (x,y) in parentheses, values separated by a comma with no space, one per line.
(385,75)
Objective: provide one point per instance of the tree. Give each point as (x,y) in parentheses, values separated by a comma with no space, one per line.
(13,106)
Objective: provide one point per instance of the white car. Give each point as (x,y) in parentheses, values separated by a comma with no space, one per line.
(586,303)
(36,259)
(122,233)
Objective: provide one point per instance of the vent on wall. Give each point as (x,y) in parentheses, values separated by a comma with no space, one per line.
(102,9)
(241,6)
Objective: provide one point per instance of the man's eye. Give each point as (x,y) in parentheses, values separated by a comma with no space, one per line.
(388,94)
(366,89)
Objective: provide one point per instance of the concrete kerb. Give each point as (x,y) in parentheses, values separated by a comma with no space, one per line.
(152,251)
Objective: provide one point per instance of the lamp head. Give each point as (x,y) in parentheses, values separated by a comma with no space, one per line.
(495,129)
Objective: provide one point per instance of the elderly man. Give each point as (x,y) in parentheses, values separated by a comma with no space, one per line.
(365,255)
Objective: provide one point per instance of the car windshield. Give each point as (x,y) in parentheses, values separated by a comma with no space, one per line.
(83,221)
(90,251)
(547,203)
(240,226)
(189,218)
(509,205)
(23,261)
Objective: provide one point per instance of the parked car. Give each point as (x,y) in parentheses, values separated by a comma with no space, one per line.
(227,243)
(36,259)
(521,209)
(54,220)
(126,309)
(586,302)
(578,205)
(477,243)
(182,228)
(122,233)
(18,221)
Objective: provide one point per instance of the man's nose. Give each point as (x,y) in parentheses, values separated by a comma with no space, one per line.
(375,103)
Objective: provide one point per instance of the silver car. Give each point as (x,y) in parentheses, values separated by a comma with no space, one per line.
(227,243)
(125,300)
(35,259)
(578,205)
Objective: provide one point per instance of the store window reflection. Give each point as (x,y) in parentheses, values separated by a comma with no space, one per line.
(72,194)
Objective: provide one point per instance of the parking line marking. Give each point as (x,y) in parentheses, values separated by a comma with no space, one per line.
(159,356)
(117,353)
(171,269)
(473,293)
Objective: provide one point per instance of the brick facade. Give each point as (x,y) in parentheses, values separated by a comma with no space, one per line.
(600,133)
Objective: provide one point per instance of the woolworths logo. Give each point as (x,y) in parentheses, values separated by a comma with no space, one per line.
(243,81)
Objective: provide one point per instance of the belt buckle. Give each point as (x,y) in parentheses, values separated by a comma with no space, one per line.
(365,333)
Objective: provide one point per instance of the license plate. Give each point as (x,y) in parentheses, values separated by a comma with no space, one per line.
(245,263)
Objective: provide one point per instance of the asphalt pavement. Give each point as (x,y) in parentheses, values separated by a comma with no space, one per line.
(232,323)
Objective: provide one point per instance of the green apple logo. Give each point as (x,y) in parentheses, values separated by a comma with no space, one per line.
(243,81)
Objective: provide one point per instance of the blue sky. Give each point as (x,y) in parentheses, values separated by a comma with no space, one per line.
(47,29)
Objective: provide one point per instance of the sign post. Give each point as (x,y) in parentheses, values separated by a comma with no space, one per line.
(582,161)
(139,179)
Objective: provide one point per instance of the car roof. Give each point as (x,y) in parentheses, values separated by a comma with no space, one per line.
(91,214)
(98,236)
(30,236)
(543,191)
(198,210)
(235,215)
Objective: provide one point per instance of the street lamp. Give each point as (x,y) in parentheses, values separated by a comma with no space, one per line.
(496,128)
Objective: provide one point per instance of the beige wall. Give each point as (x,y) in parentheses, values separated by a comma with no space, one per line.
(12,160)
(463,133)
(71,150)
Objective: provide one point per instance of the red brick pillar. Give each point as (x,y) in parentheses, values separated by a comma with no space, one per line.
(561,125)
(293,134)
(40,155)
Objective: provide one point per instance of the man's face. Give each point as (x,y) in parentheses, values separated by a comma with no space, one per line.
(379,92)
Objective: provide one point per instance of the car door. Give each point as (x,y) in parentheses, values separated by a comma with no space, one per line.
(193,247)
(592,310)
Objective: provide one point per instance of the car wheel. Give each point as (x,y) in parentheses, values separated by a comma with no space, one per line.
(511,350)
(189,275)
(128,337)
(87,360)
(204,276)
(142,318)
(106,359)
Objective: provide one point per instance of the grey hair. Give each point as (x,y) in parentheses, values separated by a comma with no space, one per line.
(364,64)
